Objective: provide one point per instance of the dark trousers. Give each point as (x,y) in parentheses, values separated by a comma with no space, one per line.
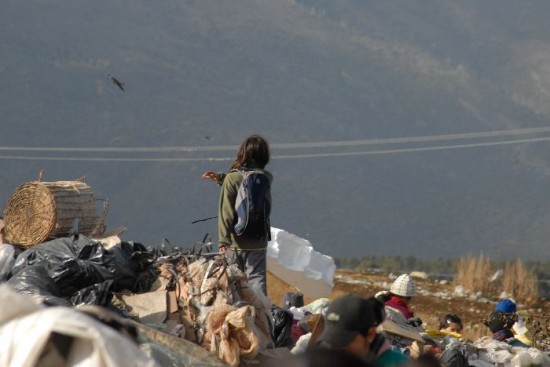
(253,264)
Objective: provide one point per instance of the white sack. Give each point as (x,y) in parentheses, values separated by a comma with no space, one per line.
(25,329)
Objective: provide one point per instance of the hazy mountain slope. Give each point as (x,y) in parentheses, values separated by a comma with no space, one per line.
(208,73)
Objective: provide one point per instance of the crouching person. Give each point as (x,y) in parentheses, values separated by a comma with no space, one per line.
(397,306)
(402,328)
(501,322)
(446,343)
(350,324)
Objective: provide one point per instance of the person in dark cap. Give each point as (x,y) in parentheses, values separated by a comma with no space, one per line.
(500,324)
(350,324)
(506,306)
(506,325)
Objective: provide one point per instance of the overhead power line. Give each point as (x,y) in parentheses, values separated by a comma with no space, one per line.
(412,150)
(290,156)
(113,159)
(322,144)
(415,139)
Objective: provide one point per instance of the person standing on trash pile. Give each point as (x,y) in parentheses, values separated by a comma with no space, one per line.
(506,325)
(248,251)
(350,324)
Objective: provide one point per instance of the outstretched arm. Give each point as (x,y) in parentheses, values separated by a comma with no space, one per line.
(214,176)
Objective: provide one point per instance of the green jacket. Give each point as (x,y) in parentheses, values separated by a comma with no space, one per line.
(226,214)
(392,358)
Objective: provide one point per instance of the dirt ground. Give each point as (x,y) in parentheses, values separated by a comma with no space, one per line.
(433,301)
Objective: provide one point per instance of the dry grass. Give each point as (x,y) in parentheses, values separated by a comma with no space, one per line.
(520,283)
(538,329)
(474,274)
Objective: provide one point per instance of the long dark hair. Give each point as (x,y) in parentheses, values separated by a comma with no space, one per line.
(253,153)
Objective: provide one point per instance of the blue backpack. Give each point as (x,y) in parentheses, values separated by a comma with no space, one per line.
(253,205)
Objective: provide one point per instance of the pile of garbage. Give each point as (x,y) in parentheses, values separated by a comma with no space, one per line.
(455,351)
(191,295)
(177,307)
(172,306)
(209,303)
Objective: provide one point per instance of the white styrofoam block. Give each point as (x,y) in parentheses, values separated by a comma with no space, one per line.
(273,245)
(294,252)
(294,260)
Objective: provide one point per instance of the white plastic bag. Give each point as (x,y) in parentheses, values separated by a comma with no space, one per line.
(7,258)
(529,357)
(25,336)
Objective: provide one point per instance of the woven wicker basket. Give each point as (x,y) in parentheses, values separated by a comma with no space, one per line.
(39,211)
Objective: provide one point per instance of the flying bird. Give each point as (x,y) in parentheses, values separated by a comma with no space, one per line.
(117,82)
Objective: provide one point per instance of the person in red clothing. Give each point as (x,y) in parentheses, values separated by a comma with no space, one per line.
(401,293)
(396,306)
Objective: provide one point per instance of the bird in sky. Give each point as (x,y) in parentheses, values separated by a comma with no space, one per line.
(117,82)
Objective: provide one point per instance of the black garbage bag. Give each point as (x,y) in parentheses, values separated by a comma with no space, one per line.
(73,275)
(83,271)
(36,281)
(130,261)
(73,262)
(453,356)
(282,326)
(98,294)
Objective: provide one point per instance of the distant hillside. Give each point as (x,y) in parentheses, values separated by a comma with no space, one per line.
(208,73)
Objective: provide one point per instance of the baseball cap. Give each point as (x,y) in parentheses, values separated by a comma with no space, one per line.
(506,306)
(347,316)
